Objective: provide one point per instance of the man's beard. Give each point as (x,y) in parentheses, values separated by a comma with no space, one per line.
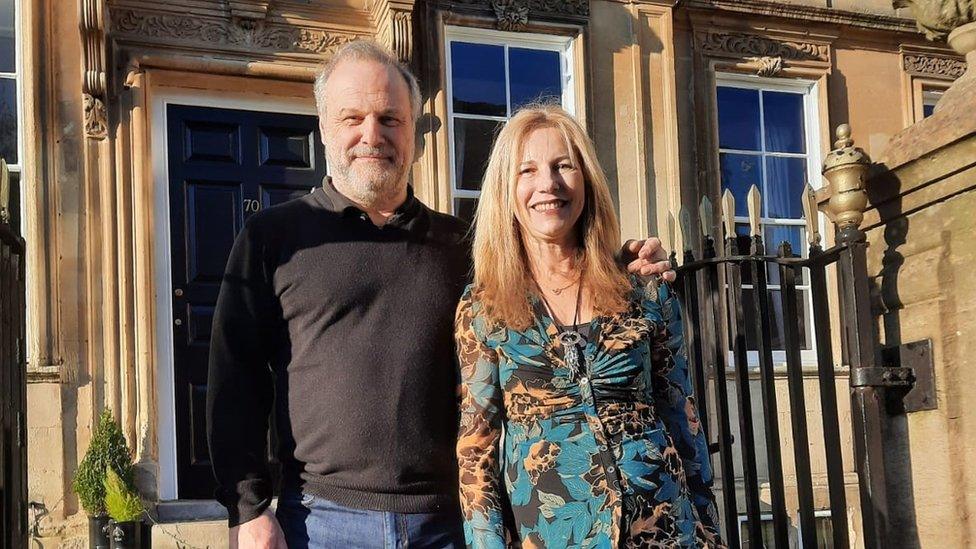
(368,183)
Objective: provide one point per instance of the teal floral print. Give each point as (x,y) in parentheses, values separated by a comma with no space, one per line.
(613,458)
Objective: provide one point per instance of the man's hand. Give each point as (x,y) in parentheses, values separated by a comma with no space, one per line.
(262,532)
(646,258)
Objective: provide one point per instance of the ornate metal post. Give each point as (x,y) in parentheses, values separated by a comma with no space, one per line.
(846,169)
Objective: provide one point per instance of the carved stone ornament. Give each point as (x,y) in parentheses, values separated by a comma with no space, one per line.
(222,33)
(542,8)
(511,14)
(937,18)
(96,117)
(752,46)
(938,67)
(768,66)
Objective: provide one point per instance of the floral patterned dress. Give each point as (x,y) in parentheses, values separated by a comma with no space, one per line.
(611,458)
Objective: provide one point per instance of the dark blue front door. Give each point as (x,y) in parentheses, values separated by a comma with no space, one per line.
(224,165)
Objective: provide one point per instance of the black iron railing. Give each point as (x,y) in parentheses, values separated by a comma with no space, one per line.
(13,389)
(712,290)
(721,323)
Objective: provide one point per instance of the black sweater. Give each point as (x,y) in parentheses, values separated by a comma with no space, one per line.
(346,330)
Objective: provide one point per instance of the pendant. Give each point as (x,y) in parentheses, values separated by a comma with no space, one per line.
(572,341)
(557,291)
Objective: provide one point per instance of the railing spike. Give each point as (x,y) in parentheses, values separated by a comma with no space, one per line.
(754,203)
(684,221)
(811,215)
(728,213)
(705,213)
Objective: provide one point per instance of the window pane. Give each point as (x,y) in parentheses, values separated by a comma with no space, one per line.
(776,235)
(478,79)
(8,120)
(743,244)
(8,62)
(785,178)
(534,76)
(465,208)
(783,117)
(472,145)
(739,173)
(738,119)
(776,317)
(928,110)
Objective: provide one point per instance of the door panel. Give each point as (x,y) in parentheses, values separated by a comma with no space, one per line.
(224,166)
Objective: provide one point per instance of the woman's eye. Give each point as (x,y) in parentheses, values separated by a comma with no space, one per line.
(524,171)
(565,166)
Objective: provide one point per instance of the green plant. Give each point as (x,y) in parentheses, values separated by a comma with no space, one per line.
(121,501)
(108,450)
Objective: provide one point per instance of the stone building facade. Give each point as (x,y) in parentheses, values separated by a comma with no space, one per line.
(133,119)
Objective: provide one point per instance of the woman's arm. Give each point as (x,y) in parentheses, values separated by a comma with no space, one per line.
(481,489)
(675,402)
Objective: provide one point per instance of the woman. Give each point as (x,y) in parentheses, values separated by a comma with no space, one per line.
(580,367)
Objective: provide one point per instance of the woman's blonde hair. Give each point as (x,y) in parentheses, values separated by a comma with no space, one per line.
(502,276)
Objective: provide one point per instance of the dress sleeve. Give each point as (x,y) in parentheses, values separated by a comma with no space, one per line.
(675,401)
(481,488)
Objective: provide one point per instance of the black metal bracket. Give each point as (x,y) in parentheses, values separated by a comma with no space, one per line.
(916,355)
(908,377)
(888,377)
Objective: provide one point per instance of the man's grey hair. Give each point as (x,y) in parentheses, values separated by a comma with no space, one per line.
(367,50)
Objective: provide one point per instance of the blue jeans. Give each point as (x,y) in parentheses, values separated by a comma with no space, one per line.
(316,523)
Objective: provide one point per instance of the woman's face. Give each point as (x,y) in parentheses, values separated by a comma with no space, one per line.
(550,188)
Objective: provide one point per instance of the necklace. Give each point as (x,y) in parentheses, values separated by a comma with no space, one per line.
(572,341)
(558,291)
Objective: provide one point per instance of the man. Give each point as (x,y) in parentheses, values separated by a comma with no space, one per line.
(348,294)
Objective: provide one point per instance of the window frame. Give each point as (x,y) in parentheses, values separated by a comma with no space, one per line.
(562,44)
(810,89)
(18,101)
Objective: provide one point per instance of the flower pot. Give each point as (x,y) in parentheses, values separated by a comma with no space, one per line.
(126,535)
(98,532)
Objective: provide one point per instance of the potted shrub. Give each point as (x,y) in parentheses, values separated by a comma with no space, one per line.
(106,450)
(125,509)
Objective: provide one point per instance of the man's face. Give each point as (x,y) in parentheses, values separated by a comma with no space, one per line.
(368,129)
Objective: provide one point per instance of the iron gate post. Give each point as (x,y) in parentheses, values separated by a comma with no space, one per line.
(846,169)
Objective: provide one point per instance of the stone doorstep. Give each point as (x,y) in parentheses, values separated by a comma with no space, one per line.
(190,524)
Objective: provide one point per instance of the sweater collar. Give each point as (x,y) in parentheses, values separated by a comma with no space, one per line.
(342,204)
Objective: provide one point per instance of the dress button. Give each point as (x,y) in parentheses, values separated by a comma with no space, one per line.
(584,380)
(611,469)
(603,448)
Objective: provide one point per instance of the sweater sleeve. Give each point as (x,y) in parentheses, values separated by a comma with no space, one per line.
(675,400)
(481,488)
(239,389)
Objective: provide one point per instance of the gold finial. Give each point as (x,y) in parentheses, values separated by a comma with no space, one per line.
(843,133)
(728,213)
(4,191)
(846,168)
(705,217)
(809,201)
(684,220)
(754,202)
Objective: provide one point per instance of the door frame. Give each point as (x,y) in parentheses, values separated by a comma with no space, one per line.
(167,481)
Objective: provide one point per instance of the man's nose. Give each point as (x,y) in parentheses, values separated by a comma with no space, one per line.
(372,132)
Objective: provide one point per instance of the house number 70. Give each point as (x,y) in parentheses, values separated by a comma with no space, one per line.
(251,205)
